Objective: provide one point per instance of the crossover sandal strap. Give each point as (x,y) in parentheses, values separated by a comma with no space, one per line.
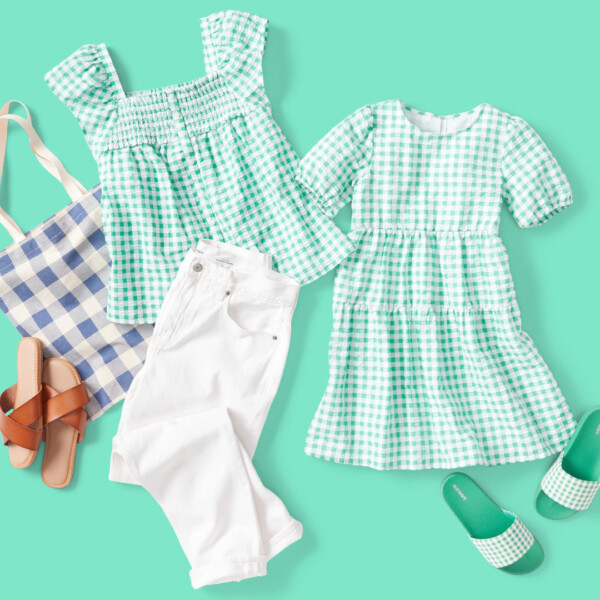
(576,494)
(508,547)
(67,406)
(17,427)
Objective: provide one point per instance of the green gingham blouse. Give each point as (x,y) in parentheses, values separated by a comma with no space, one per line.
(203,159)
(429,366)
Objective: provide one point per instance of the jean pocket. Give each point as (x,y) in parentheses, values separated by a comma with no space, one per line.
(251,314)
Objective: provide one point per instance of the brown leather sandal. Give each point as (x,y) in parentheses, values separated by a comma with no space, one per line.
(64,420)
(22,429)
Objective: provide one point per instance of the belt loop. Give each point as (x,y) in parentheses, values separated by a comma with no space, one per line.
(192,264)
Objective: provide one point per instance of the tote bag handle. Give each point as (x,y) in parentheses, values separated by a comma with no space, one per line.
(48,160)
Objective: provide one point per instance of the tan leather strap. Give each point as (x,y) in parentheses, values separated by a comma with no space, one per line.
(48,160)
(67,406)
(18,426)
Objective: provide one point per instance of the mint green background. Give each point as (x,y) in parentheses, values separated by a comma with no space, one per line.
(367,534)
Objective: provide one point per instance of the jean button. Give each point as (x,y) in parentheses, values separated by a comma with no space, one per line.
(197,267)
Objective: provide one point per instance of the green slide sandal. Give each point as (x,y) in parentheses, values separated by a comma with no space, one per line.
(574,479)
(499,535)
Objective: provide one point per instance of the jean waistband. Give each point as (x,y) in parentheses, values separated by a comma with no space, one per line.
(231,267)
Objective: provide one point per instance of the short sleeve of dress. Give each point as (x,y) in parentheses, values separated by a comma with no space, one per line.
(234,44)
(87,83)
(331,168)
(534,186)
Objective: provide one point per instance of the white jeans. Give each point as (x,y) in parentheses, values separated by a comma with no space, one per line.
(192,418)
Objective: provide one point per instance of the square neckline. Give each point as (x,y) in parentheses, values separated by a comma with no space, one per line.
(124,95)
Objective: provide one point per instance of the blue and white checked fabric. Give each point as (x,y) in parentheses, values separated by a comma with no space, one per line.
(508,547)
(562,487)
(53,286)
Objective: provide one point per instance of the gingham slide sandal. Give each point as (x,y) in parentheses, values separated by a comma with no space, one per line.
(573,480)
(499,535)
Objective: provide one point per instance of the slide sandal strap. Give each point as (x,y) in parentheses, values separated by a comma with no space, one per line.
(17,427)
(508,547)
(67,406)
(576,494)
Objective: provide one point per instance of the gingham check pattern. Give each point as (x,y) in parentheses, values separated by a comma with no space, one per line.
(53,286)
(508,547)
(429,367)
(576,494)
(204,159)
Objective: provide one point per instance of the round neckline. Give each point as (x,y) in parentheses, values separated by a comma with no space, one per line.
(478,110)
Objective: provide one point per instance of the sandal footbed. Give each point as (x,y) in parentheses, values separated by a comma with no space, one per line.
(61,439)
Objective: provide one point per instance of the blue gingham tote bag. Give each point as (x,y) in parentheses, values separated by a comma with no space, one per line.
(53,285)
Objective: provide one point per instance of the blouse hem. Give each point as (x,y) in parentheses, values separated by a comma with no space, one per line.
(144,318)
(137,319)
(346,248)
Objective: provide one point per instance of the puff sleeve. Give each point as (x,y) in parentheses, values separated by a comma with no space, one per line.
(234,44)
(87,84)
(330,170)
(534,186)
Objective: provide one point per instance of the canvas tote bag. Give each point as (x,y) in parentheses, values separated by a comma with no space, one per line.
(53,284)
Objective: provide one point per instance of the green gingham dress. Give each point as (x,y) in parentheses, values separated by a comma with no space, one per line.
(203,159)
(429,366)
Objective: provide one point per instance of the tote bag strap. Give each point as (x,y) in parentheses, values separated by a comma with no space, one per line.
(48,160)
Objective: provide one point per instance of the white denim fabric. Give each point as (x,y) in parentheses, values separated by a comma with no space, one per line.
(193,416)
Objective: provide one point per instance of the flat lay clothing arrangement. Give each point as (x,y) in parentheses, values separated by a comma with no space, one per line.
(193,416)
(429,366)
(207,224)
(203,159)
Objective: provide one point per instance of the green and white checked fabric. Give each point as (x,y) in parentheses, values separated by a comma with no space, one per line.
(562,487)
(508,547)
(429,366)
(202,159)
